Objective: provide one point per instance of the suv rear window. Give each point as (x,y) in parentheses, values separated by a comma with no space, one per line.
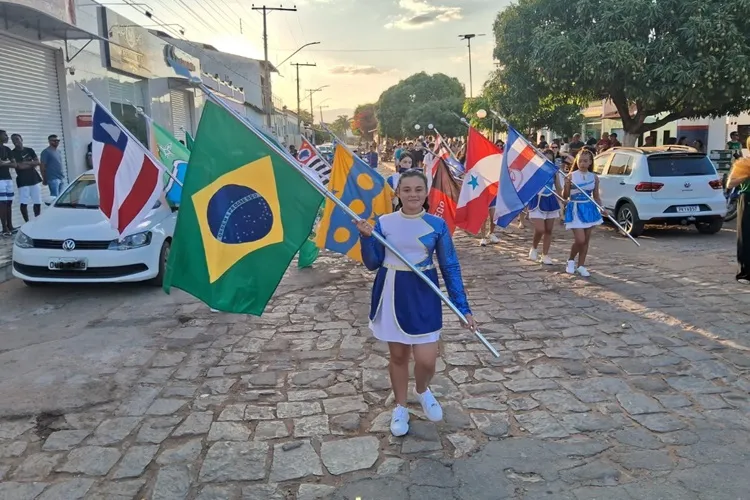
(679,165)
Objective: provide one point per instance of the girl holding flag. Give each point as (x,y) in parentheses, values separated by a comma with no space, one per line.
(544,209)
(581,214)
(404,311)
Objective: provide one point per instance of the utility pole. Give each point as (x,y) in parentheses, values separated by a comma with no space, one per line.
(299,130)
(320,107)
(468,38)
(266,88)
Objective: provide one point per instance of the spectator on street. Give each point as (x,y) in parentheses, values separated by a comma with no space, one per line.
(613,142)
(735,145)
(28,180)
(740,176)
(591,141)
(500,145)
(565,145)
(53,172)
(6,185)
(575,145)
(682,141)
(542,143)
(604,143)
(372,157)
(649,142)
(698,145)
(293,150)
(89,157)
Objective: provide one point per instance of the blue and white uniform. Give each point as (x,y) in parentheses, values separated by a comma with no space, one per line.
(582,213)
(403,308)
(545,205)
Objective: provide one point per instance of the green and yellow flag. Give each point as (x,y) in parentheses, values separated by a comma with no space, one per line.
(245,213)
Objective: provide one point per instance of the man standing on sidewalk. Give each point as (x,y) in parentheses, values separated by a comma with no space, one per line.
(53,174)
(6,185)
(28,180)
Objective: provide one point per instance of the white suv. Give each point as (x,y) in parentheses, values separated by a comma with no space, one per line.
(669,185)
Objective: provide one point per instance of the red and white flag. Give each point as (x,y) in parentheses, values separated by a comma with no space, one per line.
(307,155)
(479,190)
(443,194)
(129,180)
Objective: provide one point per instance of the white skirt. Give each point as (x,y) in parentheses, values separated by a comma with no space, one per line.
(538,214)
(385,327)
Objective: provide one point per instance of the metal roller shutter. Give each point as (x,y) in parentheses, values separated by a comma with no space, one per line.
(30,99)
(180,113)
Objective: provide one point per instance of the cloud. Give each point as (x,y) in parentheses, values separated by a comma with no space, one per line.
(357,70)
(421,13)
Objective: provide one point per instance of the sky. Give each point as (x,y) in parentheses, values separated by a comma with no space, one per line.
(365,46)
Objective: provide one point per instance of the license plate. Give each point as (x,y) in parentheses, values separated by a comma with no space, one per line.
(692,208)
(67,264)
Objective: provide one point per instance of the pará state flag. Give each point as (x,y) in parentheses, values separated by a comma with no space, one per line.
(245,212)
(479,189)
(173,155)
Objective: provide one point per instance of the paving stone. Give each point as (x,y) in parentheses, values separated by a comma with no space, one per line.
(693,385)
(560,401)
(163,359)
(588,422)
(228,431)
(172,483)
(12,490)
(651,460)
(673,400)
(348,422)
(602,492)
(266,379)
(71,489)
(422,437)
(156,430)
(638,438)
(135,461)
(298,409)
(138,402)
(459,376)
(375,380)
(218,492)
(637,403)
(679,438)
(530,384)
(184,453)
(65,440)
(314,491)
(195,423)
(90,460)
(490,404)
(316,425)
(233,461)
(218,385)
(12,449)
(391,465)
(294,463)
(541,424)
(270,429)
(125,489)
(492,424)
(113,430)
(462,445)
(262,492)
(565,353)
(595,389)
(660,422)
(233,413)
(341,389)
(592,474)
(253,412)
(711,402)
(37,466)
(522,404)
(461,359)
(307,395)
(346,404)
(432,473)
(691,353)
(315,378)
(348,455)
(494,388)
(547,371)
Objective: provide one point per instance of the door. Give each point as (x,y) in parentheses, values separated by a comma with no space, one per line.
(617,181)
(180,113)
(600,168)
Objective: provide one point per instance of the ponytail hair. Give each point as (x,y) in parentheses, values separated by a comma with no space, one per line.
(413,173)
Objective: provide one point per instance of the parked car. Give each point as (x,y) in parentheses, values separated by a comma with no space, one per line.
(72,242)
(327,151)
(669,185)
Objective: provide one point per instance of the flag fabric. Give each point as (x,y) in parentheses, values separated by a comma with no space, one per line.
(443,195)
(479,189)
(524,173)
(360,188)
(189,141)
(245,212)
(442,150)
(308,156)
(128,179)
(173,155)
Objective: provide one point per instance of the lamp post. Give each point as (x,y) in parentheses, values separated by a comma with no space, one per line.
(293,53)
(468,38)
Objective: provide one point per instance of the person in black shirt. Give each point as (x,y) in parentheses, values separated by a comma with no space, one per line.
(28,180)
(6,185)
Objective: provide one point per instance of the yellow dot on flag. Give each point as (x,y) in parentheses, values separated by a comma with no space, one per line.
(365,181)
(341,235)
(358,207)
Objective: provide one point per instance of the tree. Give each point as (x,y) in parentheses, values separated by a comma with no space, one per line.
(657,60)
(420,97)
(305,117)
(341,125)
(365,121)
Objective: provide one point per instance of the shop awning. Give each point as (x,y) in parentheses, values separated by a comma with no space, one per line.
(34,24)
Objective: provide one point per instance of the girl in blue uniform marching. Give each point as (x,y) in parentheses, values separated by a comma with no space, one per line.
(404,311)
(544,209)
(581,214)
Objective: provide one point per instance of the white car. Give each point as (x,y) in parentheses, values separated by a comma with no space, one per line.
(72,242)
(669,185)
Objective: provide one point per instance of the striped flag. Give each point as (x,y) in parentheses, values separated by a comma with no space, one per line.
(308,156)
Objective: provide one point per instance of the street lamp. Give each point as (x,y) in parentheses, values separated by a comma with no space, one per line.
(468,38)
(305,45)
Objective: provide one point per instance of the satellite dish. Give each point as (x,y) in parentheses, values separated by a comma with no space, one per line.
(430,126)
(481,114)
(417,126)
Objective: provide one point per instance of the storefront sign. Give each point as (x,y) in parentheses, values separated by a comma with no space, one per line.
(130,54)
(64,10)
(84,120)
(182,63)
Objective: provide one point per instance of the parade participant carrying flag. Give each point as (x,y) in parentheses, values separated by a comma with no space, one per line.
(479,189)
(524,173)
(443,195)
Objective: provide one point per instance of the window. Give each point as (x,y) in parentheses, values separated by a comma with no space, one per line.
(621,165)
(600,162)
(128,116)
(678,165)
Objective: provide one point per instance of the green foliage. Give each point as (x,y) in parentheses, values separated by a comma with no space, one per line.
(421,99)
(341,125)
(365,121)
(305,117)
(667,58)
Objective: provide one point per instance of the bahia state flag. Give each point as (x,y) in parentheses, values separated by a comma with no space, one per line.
(173,155)
(245,213)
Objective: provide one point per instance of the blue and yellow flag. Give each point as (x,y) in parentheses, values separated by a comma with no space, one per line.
(364,191)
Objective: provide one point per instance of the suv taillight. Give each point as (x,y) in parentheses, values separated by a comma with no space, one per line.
(648,187)
(716,184)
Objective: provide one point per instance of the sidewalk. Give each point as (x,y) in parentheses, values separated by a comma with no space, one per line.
(6,250)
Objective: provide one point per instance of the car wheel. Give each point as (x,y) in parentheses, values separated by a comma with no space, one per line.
(627,217)
(163,257)
(712,227)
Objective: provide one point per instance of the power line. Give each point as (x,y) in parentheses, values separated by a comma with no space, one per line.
(420,49)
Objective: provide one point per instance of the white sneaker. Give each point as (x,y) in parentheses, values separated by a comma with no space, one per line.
(214,310)
(743,281)
(400,421)
(547,260)
(494,239)
(430,406)
(571,267)
(583,272)
(534,254)
(482,242)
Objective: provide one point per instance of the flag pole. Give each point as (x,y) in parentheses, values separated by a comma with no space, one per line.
(325,192)
(127,132)
(601,209)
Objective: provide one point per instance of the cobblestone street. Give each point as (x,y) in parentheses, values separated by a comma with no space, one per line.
(632,384)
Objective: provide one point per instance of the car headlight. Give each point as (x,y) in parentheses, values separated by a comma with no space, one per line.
(137,240)
(23,241)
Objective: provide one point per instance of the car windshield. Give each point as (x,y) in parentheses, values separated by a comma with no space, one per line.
(679,165)
(81,194)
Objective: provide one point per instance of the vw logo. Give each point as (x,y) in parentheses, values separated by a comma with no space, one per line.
(687,185)
(69,245)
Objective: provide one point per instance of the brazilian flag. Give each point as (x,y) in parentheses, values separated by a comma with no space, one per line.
(244,214)
(189,142)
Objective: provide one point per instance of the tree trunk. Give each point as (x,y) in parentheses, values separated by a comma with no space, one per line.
(630,139)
